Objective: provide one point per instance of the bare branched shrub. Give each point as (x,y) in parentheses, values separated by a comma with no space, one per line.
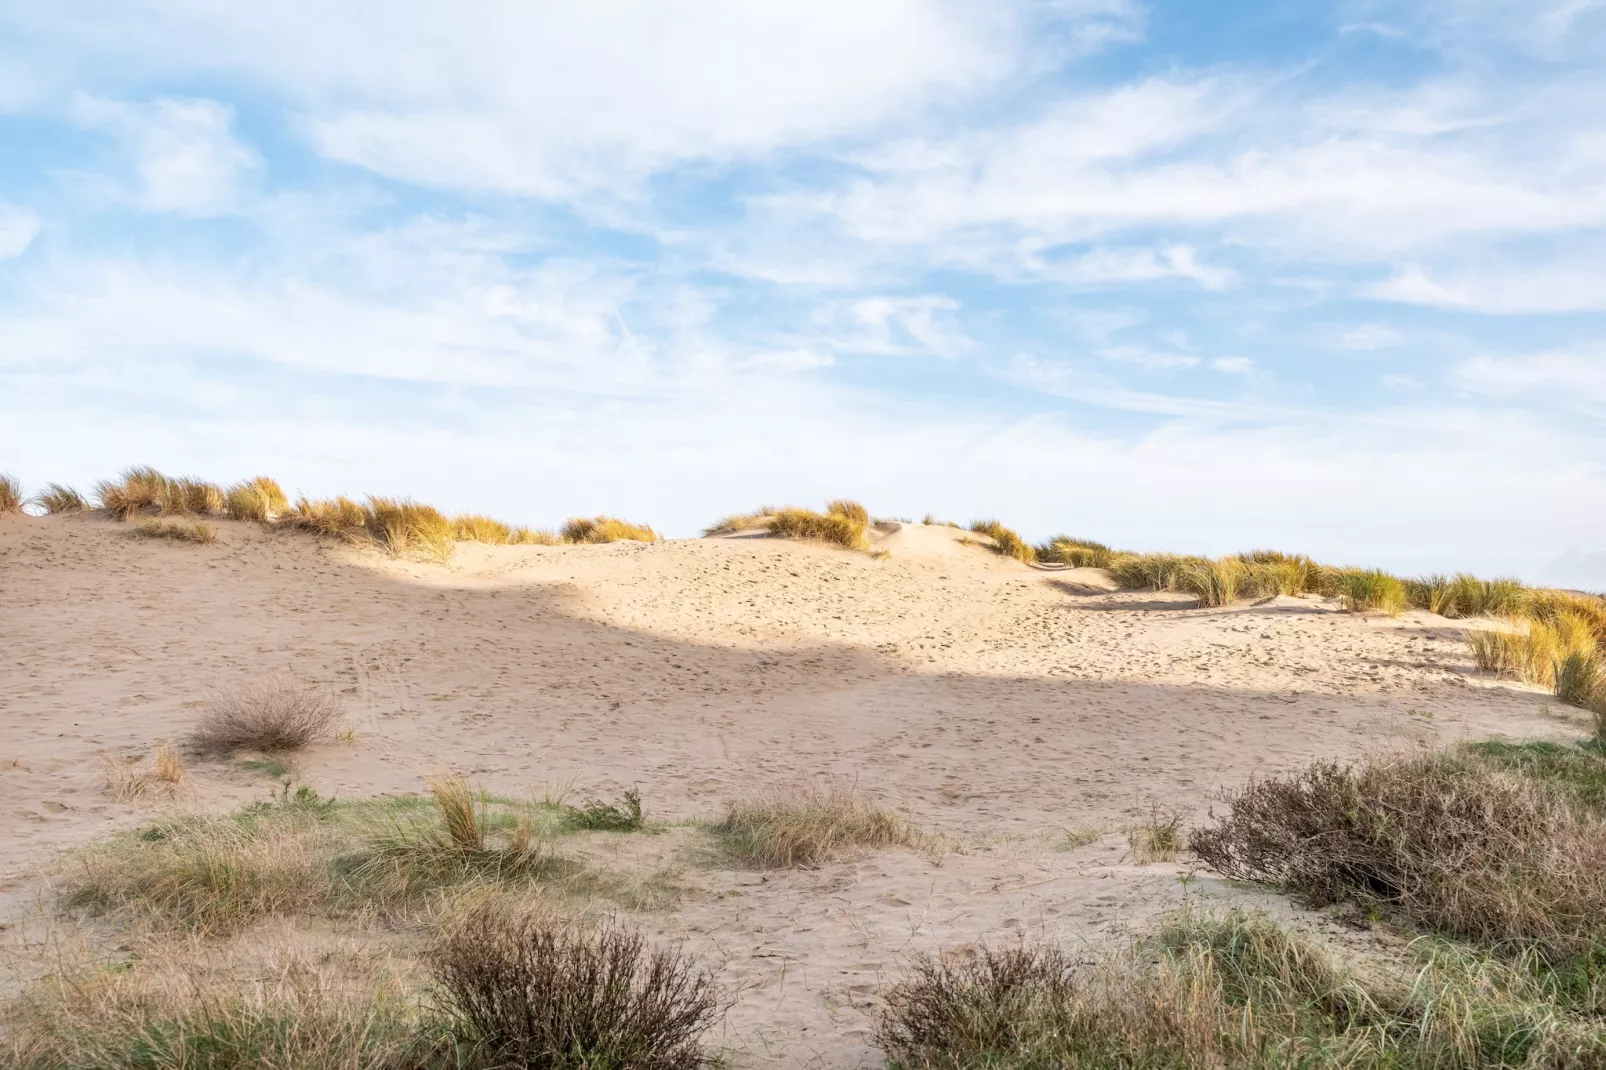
(271,715)
(1454,843)
(805,825)
(1237,992)
(525,991)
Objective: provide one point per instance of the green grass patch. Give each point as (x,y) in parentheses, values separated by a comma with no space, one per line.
(1578,770)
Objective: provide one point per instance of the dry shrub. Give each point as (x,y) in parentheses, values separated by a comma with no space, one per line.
(185,1011)
(259,499)
(1364,589)
(56,498)
(803,826)
(1005,541)
(126,779)
(272,716)
(834,528)
(1076,553)
(472,527)
(600,529)
(10,494)
(196,531)
(847,507)
(532,537)
(523,991)
(1454,843)
(1238,992)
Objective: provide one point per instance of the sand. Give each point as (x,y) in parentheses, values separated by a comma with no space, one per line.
(994,705)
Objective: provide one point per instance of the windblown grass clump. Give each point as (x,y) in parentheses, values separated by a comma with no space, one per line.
(737,522)
(1562,654)
(835,528)
(273,716)
(523,991)
(600,529)
(56,499)
(401,526)
(146,491)
(595,815)
(259,499)
(10,494)
(127,779)
(1005,541)
(806,826)
(1236,991)
(472,527)
(532,537)
(1154,572)
(1216,583)
(1076,553)
(1371,589)
(333,518)
(1453,842)
(196,531)
(847,507)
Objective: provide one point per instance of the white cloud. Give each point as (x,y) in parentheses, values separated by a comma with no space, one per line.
(1514,287)
(183,154)
(1564,377)
(544,98)
(18,228)
(1370,336)
(1148,359)
(1233,365)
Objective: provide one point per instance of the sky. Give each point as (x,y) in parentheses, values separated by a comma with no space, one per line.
(1325,277)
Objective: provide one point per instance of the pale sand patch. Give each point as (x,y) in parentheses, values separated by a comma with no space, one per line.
(987,702)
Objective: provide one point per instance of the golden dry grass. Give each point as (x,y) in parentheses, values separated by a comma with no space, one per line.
(195,531)
(126,779)
(1005,541)
(56,498)
(603,529)
(10,494)
(803,826)
(833,528)
(473,527)
(401,526)
(1076,553)
(532,537)
(259,499)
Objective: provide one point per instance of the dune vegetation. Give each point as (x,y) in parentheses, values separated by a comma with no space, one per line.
(844,523)
(10,494)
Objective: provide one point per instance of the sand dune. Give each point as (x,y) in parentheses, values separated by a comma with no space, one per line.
(988,702)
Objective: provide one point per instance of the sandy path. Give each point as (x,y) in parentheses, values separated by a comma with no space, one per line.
(989,702)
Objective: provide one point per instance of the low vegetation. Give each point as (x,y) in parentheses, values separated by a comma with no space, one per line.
(145,491)
(472,527)
(129,778)
(1005,541)
(1074,553)
(626,815)
(10,494)
(1464,844)
(805,826)
(56,499)
(272,716)
(599,529)
(1561,650)
(196,531)
(521,990)
(1234,991)
(260,499)
(836,528)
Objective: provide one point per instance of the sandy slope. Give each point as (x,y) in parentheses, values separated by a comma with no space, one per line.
(991,703)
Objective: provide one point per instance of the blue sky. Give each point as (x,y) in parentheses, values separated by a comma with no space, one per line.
(1328,277)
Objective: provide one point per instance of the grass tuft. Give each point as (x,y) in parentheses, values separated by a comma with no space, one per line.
(56,498)
(401,526)
(472,527)
(847,507)
(196,531)
(601,529)
(273,715)
(532,537)
(127,779)
(595,815)
(838,529)
(806,826)
(259,499)
(1367,589)
(1157,839)
(1005,541)
(523,991)
(1077,553)
(11,499)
